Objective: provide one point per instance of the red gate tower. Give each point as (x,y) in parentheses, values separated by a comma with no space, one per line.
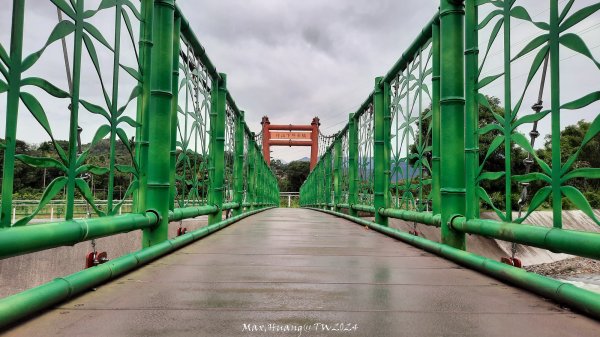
(291,135)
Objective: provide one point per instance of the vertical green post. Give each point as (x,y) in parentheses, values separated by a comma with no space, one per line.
(555,114)
(74,117)
(471,110)
(326,186)
(159,119)
(12,109)
(217,141)
(143,104)
(238,164)
(251,170)
(321,178)
(337,173)
(174,112)
(382,146)
(452,102)
(435,120)
(352,163)
(329,179)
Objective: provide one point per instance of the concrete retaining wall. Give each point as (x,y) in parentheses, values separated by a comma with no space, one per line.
(20,273)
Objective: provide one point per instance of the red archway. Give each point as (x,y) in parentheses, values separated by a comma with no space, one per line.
(291,135)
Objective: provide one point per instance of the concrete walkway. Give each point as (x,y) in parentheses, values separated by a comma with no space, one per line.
(286,270)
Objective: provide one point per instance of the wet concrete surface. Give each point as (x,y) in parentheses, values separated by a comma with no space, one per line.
(286,270)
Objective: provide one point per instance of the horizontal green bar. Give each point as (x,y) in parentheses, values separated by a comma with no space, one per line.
(32,238)
(583,300)
(199,51)
(420,217)
(412,51)
(363,208)
(557,240)
(344,206)
(230,205)
(191,212)
(28,302)
(363,107)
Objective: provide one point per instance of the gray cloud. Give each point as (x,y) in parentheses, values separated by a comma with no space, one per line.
(293,59)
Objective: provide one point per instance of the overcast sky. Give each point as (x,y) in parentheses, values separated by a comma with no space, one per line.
(293,60)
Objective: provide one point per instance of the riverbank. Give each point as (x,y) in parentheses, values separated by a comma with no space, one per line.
(567,267)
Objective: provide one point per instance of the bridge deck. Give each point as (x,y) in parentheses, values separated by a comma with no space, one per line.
(303,268)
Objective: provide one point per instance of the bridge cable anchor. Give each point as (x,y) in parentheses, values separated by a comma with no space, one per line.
(181,230)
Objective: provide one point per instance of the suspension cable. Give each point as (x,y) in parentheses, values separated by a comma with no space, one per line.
(533,134)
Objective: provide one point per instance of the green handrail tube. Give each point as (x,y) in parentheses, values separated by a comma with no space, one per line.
(191,212)
(32,238)
(580,299)
(230,205)
(28,302)
(363,208)
(200,52)
(412,50)
(585,244)
(420,217)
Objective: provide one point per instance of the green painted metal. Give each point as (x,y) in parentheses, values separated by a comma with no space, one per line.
(28,239)
(452,117)
(555,107)
(217,150)
(252,151)
(143,103)
(337,174)
(238,167)
(371,147)
(352,162)
(363,208)
(14,83)
(74,116)
(562,292)
(471,111)
(159,130)
(436,197)
(557,240)
(457,174)
(166,171)
(26,303)
(381,168)
(412,50)
(174,112)
(420,217)
(191,212)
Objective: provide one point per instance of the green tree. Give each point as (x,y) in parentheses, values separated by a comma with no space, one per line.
(296,173)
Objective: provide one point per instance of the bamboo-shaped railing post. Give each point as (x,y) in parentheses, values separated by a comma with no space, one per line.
(250,197)
(452,102)
(435,120)
(238,165)
(174,112)
(337,172)
(353,177)
(381,167)
(217,146)
(159,119)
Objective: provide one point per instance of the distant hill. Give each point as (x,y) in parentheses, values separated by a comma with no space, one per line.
(303,159)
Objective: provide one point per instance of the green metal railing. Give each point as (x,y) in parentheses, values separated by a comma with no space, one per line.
(411,151)
(188,149)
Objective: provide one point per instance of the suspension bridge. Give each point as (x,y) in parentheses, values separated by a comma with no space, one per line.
(202,250)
